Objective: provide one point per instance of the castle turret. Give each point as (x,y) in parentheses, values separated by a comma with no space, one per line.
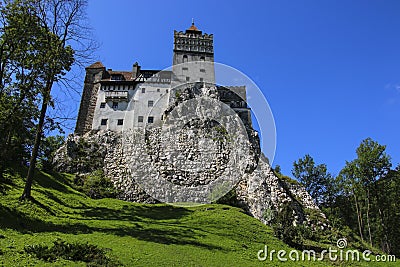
(193,56)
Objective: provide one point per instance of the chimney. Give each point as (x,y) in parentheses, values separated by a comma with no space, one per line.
(135,70)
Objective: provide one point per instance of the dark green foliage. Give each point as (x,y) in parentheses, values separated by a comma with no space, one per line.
(285,229)
(389,189)
(314,178)
(85,252)
(48,148)
(96,185)
(88,157)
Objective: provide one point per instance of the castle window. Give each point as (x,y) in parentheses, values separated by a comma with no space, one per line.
(150,103)
(150,119)
(102,104)
(143,90)
(184,68)
(120,122)
(202,59)
(201,79)
(187,79)
(104,122)
(185,58)
(140,119)
(202,70)
(115,105)
(167,91)
(158,90)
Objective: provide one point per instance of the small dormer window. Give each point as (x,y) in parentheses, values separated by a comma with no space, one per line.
(185,58)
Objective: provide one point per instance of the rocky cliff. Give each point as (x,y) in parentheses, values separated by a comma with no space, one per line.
(260,192)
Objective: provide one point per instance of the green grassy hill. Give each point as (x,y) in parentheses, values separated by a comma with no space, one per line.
(132,234)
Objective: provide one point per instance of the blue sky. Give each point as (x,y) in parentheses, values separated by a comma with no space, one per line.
(330,70)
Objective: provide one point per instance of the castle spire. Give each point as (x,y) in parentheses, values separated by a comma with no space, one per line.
(193,27)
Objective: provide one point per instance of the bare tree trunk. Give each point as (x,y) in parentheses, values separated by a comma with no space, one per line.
(359,218)
(386,244)
(26,195)
(368,221)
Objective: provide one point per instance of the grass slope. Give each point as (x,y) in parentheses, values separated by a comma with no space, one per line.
(134,234)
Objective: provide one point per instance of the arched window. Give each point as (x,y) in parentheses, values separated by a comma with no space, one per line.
(185,58)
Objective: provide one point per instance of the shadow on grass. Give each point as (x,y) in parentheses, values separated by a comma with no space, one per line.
(54,181)
(136,213)
(5,185)
(152,232)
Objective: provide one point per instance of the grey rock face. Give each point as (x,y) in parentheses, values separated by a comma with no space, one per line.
(259,191)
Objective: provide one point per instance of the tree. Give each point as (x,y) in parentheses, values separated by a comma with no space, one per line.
(372,164)
(54,37)
(389,190)
(351,187)
(60,21)
(314,178)
(361,178)
(19,81)
(48,148)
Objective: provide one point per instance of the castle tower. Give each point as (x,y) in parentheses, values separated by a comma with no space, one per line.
(94,74)
(193,56)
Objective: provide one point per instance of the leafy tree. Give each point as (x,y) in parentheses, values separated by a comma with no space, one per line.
(360,179)
(389,190)
(59,24)
(48,148)
(351,189)
(18,81)
(314,178)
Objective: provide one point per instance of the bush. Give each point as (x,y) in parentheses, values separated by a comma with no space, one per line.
(96,185)
(88,253)
(285,229)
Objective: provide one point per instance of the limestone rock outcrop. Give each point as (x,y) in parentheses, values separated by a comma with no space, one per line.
(259,192)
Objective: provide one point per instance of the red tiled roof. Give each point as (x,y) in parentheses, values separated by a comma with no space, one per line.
(193,28)
(126,74)
(97,65)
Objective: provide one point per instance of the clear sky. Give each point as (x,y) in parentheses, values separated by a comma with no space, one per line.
(330,70)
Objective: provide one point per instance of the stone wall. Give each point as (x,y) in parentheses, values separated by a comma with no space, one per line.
(89,99)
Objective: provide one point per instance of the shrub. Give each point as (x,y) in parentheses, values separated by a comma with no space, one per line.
(85,252)
(96,185)
(285,229)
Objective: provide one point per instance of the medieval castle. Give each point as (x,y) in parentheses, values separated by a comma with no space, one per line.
(116,100)
(117,105)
